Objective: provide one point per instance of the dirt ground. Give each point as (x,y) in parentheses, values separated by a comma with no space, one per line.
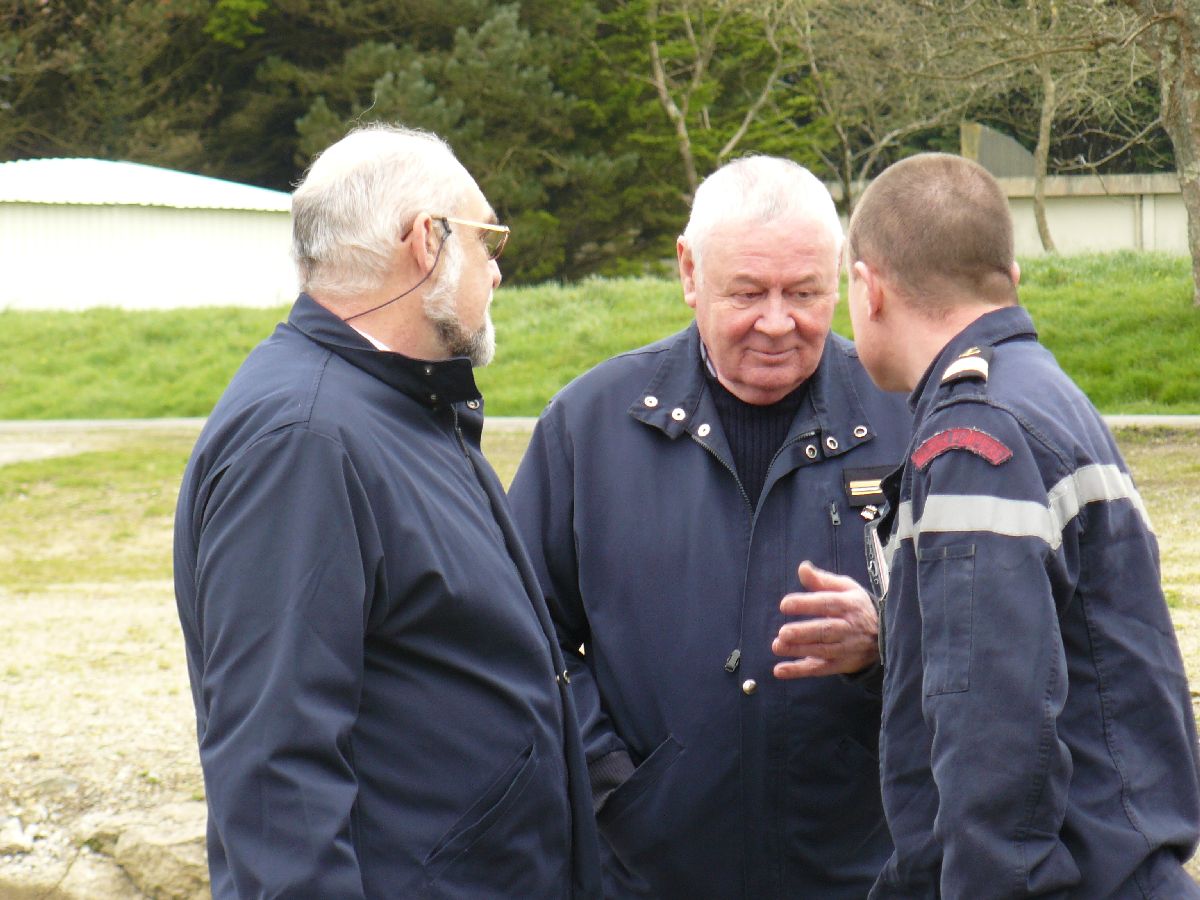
(96,714)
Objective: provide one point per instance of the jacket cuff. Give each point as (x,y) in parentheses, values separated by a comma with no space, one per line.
(608,773)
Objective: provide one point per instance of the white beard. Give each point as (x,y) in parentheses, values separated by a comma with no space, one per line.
(440,308)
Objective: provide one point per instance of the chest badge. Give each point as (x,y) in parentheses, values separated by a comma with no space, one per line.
(864,486)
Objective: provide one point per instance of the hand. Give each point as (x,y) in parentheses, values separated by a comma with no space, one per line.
(841,635)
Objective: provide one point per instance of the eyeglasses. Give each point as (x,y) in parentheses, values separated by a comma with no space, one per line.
(494,237)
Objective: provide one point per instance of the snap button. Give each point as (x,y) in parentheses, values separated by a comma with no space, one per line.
(860,431)
(749,686)
(678,414)
(563,677)
(651,401)
(704,430)
(429,370)
(433,398)
(831,443)
(811,451)
(472,404)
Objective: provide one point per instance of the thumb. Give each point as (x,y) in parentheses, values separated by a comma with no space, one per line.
(814,578)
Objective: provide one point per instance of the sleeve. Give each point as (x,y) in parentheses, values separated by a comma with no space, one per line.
(995,670)
(542,499)
(282,581)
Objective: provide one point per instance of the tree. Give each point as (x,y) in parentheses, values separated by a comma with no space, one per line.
(1170,34)
(874,67)
(101,77)
(1074,65)
(491,94)
(720,69)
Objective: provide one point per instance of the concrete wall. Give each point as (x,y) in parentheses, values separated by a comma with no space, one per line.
(141,257)
(1094,213)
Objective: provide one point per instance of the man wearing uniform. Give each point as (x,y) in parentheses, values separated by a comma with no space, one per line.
(666,498)
(1038,736)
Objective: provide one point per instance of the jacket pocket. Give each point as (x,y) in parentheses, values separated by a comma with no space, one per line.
(946,588)
(484,813)
(620,820)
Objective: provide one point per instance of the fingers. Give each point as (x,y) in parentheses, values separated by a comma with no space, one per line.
(817,579)
(837,629)
(818,632)
(815,666)
(812,667)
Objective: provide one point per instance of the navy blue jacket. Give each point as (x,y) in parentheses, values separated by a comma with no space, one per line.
(372,664)
(653,559)
(1038,737)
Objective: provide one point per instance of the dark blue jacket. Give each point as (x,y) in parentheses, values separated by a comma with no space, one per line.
(371,661)
(652,559)
(1038,737)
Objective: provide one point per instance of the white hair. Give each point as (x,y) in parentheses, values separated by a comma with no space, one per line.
(361,195)
(758,189)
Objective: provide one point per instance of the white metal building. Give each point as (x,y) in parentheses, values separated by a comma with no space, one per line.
(77,233)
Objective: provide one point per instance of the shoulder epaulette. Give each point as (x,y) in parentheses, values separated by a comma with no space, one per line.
(971,363)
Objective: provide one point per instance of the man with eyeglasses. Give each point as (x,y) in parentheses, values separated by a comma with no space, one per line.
(666,499)
(382,709)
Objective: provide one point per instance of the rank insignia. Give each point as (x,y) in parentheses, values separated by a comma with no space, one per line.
(972,363)
(863,486)
(978,442)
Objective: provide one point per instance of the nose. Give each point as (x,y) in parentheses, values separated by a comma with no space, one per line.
(774,320)
(496,276)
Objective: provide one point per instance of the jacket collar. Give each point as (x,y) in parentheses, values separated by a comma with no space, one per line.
(435,384)
(675,400)
(990,329)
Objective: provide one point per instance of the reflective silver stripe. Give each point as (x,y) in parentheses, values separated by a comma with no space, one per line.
(1019,518)
(1093,484)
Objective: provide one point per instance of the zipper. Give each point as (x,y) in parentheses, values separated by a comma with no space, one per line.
(835,520)
(731,471)
(735,657)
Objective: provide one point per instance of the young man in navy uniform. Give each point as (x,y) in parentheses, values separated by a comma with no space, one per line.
(1038,737)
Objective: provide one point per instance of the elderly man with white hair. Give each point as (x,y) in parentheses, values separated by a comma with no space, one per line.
(666,499)
(381,706)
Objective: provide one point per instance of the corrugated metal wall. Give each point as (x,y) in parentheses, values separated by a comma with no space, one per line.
(138,257)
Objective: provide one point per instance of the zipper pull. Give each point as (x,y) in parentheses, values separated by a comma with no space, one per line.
(735,659)
(834,516)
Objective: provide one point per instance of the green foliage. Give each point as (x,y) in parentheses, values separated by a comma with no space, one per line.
(1121,325)
(233,21)
(111,364)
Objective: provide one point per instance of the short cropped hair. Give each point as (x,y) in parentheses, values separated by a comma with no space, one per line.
(361,195)
(759,189)
(936,224)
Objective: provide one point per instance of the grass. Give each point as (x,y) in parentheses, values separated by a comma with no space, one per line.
(98,516)
(105,516)
(1121,324)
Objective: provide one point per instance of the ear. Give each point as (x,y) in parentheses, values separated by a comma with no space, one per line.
(423,241)
(873,287)
(1015,273)
(687,271)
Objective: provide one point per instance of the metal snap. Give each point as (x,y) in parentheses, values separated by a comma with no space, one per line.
(651,401)
(860,431)
(472,404)
(704,430)
(749,686)
(831,443)
(811,451)
(678,414)
(429,370)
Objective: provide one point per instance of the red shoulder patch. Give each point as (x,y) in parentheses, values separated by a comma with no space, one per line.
(978,442)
